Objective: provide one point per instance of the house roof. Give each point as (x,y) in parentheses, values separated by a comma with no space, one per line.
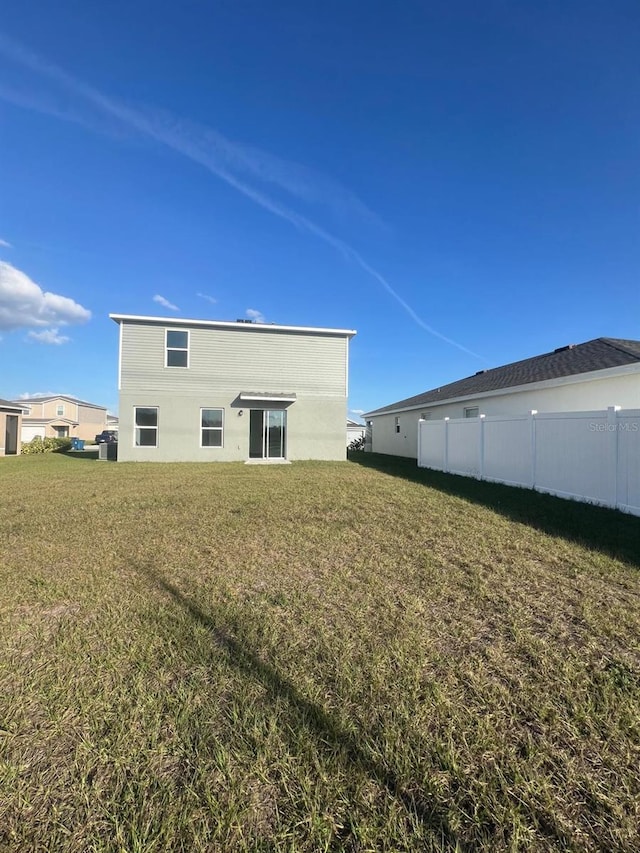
(244,325)
(598,354)
(5,404)
(45,399)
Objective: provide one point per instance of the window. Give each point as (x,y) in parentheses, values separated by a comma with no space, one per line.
(146,427)
(177,348)
(211,427)
(472,412)
(397,424)
(59,410)
(426,416)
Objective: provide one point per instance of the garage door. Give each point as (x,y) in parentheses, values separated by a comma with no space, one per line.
(29,432)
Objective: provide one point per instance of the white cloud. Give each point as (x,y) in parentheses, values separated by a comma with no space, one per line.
(208,298)
(27,395)
(23,303)
(48,336)
(358,412)
(256,316)
(5,245)
(165,303)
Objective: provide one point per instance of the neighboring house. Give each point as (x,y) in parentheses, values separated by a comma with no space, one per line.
(579,377)
(10,424)
(202,390)
(355,430)
(112,421)
(58,416)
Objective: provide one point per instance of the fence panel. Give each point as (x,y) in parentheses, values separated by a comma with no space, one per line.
(432,444)
(464,446)
(592,456)
(628,472)
(507,450)
(573,456)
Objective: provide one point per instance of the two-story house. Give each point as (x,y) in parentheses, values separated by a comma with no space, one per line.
(59,416)
(203,390)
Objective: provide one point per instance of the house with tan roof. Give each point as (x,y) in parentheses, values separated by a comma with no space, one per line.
(578,377)
(60,416)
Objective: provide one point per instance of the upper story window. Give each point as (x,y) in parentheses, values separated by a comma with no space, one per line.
(472,412)
(397,424)
(59,410)
(177,347)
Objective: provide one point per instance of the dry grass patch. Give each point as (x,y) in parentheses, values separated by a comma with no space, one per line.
(312,657)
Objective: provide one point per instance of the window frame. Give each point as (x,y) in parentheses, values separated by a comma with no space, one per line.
(136,427)
(168,349)
(219,429)
(397,425)
(59,410)
(475,409)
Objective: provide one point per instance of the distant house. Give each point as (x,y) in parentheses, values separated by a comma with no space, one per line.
(355,430)
(58,416)
(579,377)
(204,390)
(10,424)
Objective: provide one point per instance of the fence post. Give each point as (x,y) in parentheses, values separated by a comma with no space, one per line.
(481,447)
(420,422)
(446,445)
(612,429)
(532,427)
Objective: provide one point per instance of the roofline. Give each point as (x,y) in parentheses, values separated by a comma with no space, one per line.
(228,324)
(588,376)
(10,407)
(28,400)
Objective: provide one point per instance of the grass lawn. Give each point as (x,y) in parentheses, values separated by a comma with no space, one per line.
(315,657)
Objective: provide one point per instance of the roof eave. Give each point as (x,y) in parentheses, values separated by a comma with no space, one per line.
(513,389)
(228,324)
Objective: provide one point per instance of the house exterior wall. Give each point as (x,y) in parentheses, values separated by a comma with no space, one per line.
(3,431)
(620,387)
(222,364)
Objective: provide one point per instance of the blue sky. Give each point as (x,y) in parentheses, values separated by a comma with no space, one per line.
(460,182)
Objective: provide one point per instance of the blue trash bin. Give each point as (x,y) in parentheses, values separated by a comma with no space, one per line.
(79,443)
(74,443)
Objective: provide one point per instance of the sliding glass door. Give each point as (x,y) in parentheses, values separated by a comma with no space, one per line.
(267,434)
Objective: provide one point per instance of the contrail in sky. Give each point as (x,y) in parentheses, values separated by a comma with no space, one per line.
(220,156)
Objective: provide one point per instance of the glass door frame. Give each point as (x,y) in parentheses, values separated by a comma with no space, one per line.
(266,431)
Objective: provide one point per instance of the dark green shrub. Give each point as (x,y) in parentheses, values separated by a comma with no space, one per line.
(46,445)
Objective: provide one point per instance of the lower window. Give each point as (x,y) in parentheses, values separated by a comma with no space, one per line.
(146,426)
(211,427)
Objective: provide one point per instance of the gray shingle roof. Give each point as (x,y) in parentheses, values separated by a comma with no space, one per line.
(6,404)
(44,399)
(598,354)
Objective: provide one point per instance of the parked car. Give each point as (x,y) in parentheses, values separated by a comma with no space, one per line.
(107,436)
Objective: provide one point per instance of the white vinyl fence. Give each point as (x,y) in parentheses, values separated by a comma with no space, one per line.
(586,456)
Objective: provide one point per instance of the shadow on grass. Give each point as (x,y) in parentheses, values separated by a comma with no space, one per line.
(328,732)
(82,455)
(609,531)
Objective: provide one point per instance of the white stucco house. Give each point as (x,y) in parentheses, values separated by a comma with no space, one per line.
(209,390)
(578,377)
(355,430)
